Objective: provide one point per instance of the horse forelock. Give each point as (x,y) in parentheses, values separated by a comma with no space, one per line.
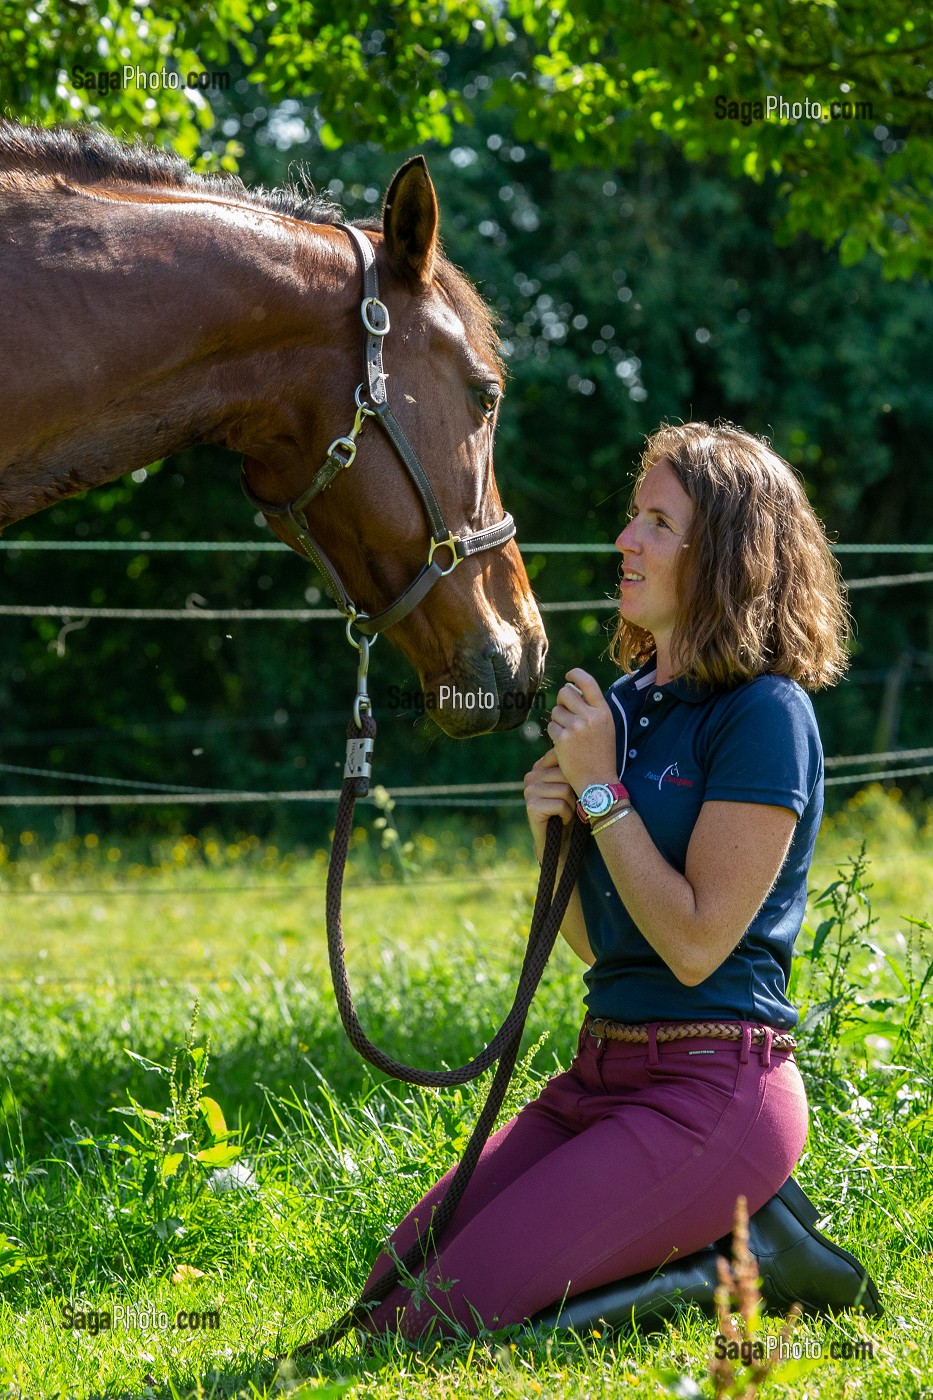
(88,156)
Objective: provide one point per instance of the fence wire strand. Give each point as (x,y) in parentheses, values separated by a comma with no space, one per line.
(145,546)
(68,611)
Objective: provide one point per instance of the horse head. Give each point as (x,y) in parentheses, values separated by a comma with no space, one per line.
(369,517)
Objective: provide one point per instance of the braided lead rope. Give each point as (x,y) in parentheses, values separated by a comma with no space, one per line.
(546,919)
(535,958)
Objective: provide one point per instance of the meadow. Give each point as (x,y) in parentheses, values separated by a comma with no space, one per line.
(186,1134)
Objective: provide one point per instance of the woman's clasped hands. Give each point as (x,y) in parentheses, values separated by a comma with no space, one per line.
(583,734)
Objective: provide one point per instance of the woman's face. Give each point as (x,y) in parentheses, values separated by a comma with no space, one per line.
(650,546)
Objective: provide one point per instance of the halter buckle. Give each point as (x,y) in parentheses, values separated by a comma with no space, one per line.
(342,451)
(381,326)
(452,542)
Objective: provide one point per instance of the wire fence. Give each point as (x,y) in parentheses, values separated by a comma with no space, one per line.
(486,795)
(195,610)
(136,792)
(196,613)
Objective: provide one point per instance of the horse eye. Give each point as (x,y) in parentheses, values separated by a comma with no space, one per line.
(487,396)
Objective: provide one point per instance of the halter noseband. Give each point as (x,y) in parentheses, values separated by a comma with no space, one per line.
(372,402)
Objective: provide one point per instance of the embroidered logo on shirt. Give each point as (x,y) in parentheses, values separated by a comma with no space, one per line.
(671,774)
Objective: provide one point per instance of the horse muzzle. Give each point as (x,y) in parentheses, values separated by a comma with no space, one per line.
(490,691)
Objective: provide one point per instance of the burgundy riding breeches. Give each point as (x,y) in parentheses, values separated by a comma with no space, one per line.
(632,1157)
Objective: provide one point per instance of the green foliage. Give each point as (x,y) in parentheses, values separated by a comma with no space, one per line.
(46,41)
(599,84)
(376,71)
(178,1151)
(848,1001)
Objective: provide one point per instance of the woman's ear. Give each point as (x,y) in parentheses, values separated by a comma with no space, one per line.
(409,221)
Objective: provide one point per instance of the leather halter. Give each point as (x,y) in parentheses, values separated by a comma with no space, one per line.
(372,402)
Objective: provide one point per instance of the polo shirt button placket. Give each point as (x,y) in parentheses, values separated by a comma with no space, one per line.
(644,722)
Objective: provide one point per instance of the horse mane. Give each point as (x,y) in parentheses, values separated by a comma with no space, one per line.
(90,156)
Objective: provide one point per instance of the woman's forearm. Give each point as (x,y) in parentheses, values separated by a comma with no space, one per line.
(694,920)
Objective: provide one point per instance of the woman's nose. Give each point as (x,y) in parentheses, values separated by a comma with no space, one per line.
(625,540)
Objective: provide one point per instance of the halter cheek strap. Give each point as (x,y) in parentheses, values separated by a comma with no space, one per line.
(372,402)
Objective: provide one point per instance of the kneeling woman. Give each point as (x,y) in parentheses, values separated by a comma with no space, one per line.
(700,773)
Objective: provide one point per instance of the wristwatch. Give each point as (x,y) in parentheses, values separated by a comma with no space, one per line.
(599,798)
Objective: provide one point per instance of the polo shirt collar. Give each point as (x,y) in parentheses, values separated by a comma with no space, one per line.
(693,692)
(682,688)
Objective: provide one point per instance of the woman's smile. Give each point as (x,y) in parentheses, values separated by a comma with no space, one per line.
(650,546)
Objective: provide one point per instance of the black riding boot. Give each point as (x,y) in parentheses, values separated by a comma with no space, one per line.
(796,1263)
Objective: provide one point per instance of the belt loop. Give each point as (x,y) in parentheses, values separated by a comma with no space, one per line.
(653,1044)
(746,1044)
(766,1047)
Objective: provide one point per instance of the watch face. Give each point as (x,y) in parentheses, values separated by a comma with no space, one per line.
(596,799)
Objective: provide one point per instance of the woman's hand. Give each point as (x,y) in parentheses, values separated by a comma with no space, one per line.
(547,794)
(583,732)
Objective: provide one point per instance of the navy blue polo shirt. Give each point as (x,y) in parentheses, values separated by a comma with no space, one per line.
(677,746)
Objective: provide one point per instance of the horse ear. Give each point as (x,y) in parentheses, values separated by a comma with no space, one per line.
(409,222)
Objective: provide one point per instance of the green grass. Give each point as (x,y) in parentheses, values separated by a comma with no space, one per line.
(99,1209)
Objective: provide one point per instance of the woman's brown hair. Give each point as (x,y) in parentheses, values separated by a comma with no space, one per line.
(760,589)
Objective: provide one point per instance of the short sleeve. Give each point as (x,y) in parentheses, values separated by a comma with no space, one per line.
(765,747)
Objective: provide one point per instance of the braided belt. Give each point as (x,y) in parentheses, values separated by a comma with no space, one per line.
(602,1029)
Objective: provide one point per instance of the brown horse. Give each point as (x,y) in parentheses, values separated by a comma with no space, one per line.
(146,309)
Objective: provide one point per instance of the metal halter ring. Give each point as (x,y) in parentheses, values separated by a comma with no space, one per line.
(352,619)
(451,543)
(383,312)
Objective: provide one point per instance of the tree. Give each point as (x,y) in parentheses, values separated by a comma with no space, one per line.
(835,99)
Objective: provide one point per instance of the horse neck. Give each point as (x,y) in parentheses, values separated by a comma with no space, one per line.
(146,322)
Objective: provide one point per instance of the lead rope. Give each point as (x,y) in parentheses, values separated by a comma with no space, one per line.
(549,910)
